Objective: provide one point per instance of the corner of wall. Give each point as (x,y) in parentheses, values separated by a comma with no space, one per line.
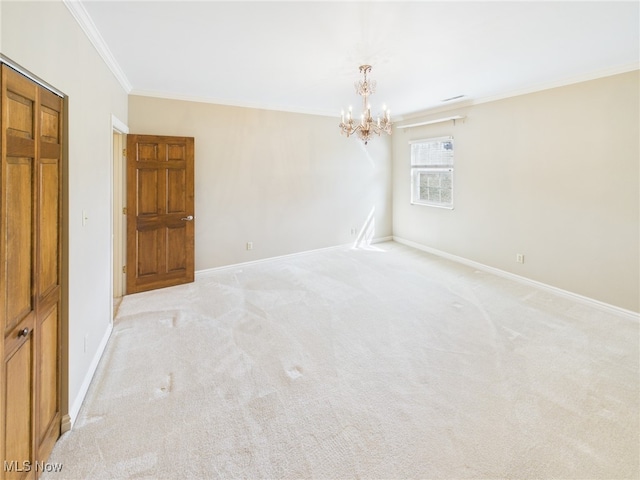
(70,418)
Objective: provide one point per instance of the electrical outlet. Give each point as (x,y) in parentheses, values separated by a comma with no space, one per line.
(249,245)
(519,257)
(86,340)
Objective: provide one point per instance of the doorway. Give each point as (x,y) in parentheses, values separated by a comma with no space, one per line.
(118,194)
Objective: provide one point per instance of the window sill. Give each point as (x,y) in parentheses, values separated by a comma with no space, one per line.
(444,207)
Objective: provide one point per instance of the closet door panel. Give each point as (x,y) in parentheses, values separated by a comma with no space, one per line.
(17,418)
(48,227)
(17,255)
(49,211)
(49,149)
(48,407)
(19,130)
(49,122)
(18,246)
(20,110)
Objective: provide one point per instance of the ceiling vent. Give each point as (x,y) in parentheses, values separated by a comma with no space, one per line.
(452,98)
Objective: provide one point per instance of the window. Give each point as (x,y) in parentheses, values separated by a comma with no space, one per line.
(432,172)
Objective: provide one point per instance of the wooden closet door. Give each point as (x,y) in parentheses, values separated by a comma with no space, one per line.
(19,130)
(30,277)
(48,271)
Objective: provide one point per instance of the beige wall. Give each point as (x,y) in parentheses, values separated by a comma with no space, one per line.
(552,175)
(45,39)
(287,182)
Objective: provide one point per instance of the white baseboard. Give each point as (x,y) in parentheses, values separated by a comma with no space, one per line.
(69,419)
(534,283)
(289,255)
(382,239)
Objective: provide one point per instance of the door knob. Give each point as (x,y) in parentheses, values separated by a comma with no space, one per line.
(187,219)
(23,333)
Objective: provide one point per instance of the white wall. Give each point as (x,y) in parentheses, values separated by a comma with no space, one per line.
(553,175)
(287,182)
(45,39)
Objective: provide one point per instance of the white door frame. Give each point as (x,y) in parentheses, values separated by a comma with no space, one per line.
(119,130)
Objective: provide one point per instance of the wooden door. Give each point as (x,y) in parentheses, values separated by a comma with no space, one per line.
(30,287)
(160,212)
(48,231)
(19,103)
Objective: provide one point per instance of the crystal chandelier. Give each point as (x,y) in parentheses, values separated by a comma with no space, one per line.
(367,125)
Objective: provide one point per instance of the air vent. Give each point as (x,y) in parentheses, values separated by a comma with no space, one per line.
(452,98)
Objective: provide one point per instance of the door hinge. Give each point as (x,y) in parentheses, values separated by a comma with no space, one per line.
(124,211)
(124,152)
(124,269)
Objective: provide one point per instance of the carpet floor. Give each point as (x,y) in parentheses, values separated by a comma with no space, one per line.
(380,363)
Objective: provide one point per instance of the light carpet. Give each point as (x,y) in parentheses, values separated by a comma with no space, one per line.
(371,364)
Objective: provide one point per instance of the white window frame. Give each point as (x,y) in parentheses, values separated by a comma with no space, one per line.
(435,161)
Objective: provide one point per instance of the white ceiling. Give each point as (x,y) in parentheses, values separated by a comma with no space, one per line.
(304,56)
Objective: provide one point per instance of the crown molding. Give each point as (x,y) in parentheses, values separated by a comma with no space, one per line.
(91,31)
(607,72)
(227,103)
(83,18)
(468,102)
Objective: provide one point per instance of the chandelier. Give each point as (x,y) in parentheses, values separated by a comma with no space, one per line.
(367,125)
